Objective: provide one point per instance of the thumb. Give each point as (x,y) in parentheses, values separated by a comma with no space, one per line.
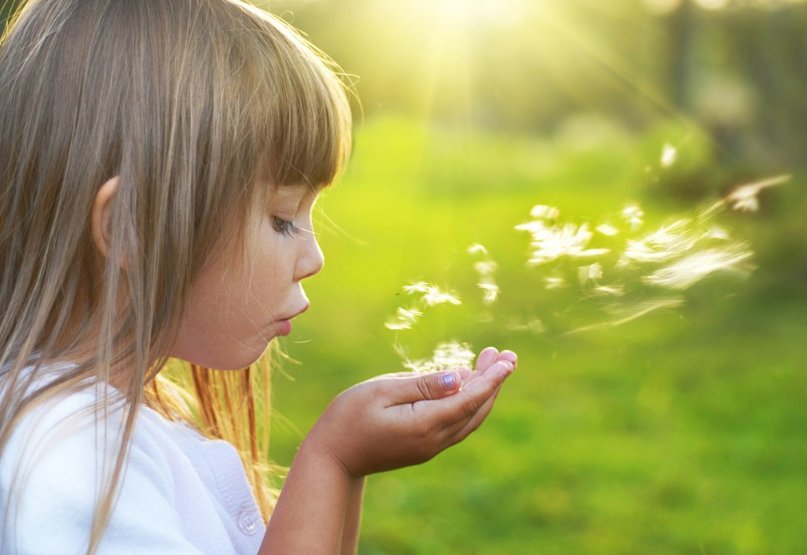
(428,386)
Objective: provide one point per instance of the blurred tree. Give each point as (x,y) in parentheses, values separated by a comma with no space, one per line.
(678,55)
(770,53)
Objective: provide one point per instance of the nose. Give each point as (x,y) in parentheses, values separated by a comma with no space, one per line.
(311,258)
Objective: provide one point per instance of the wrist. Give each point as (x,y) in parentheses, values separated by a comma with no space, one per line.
(310,516)
(314,452)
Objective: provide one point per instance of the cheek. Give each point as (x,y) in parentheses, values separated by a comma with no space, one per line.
(242,301)
(227,321)
(269,272)
(231,311)
(222,336)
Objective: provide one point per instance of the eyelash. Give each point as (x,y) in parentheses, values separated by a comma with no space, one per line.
(285,227)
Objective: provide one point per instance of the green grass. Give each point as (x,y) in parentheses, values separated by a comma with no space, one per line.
(682,432)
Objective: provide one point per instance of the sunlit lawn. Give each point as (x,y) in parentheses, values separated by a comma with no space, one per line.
(682,432)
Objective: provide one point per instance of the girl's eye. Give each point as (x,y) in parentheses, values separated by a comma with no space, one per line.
(284,227)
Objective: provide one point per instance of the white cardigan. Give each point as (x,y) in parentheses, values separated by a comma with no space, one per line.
(181,493)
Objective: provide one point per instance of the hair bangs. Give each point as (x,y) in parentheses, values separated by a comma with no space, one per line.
(308,124)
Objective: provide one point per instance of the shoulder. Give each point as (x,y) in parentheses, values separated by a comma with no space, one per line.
(70,430)
(58,459)
(65,425)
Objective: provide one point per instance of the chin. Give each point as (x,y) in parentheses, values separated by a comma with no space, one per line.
(221,361)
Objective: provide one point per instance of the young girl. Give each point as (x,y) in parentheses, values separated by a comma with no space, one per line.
(159,160)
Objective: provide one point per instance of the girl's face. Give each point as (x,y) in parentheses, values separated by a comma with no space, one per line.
(236,307)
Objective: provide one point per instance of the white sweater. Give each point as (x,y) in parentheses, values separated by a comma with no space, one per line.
(181,493)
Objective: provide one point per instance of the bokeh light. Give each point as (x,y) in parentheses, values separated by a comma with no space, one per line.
(713,4)
(662,7)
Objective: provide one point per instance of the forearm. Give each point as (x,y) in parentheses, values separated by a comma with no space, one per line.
(311,511)
(350,536)
(378,425)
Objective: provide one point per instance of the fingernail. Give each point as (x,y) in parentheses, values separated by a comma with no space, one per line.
(449,380)
(504,369)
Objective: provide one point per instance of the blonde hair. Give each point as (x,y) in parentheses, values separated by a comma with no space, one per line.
(195,105)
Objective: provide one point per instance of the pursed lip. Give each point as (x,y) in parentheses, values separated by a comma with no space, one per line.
(284,325)
(299,312)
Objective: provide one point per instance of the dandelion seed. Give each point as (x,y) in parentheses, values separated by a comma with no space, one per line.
(674,257)
(637,310)
(419,287)
(410,314)
(633,216)
(543,212)
(693,268)
(717,233)
(710,211)
(744,198)
(748,204)
(631,313)
(607,230)
(552,243)
(404,319)
(485,269)
(610,291)
(535,326)
(436,297)
(431,294)
(675,236)
(452,354)
(640,251)
(669,154)
(491,292)
(668,242)
(555,283)
(592,272)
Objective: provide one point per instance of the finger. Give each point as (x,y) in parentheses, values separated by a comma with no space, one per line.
(467,428)
(481,369)
(470,399)
(465,374)
(509,356)
(463,371)
(461,429)
(424,387)
(486,358)
(464,428)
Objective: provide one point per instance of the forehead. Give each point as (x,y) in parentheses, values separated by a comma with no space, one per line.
(292,193)
(268,186)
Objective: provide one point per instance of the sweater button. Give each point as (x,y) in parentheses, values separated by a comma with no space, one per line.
(248,522)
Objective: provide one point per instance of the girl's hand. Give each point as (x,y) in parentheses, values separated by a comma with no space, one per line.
(400,420)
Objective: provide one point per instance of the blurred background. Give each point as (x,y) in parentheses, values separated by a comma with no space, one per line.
(679,432)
